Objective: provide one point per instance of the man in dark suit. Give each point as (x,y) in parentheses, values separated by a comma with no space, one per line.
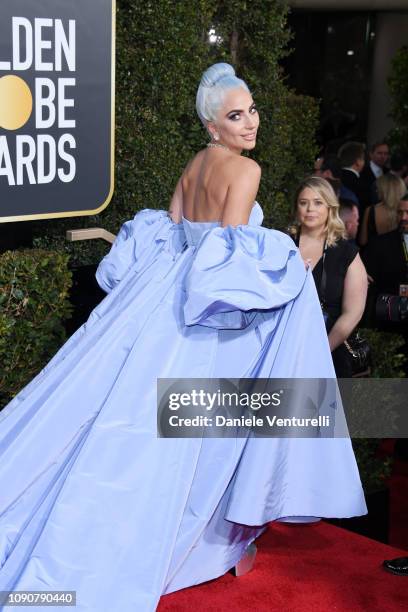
(352,159)
(376,167)
(330,169)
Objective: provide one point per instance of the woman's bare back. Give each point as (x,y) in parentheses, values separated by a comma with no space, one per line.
(210,180)
(205,184)
(385,221)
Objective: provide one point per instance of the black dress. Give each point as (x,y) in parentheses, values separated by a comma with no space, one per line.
(371,224)
(336,262)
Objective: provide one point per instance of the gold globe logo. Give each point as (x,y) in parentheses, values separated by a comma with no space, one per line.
(16,102)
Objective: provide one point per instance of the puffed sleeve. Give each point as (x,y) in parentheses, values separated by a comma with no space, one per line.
(237,272)
(138,242)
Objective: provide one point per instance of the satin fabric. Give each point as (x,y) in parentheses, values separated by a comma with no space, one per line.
(90,499)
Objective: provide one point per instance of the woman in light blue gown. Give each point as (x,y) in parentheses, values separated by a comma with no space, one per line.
(91,499)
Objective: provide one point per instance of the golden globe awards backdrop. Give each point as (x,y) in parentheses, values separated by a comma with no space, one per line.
(56,107)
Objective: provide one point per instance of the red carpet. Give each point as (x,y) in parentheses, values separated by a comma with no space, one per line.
(398,528)
(398,487)
(298,568)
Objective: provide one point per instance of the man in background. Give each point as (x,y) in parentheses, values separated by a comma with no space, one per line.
(386,257)
(350,216)
(377,166)
(352,160)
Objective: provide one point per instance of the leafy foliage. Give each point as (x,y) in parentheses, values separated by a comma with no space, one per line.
(374,470)
(34,286)
(398,85)
(387,355)
(388,362)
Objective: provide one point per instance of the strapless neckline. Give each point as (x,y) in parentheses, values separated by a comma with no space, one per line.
(200,222)
(214,222)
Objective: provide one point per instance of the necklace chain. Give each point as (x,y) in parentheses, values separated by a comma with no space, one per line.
(217,144)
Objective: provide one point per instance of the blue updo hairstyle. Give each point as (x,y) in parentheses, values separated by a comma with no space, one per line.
(215,82)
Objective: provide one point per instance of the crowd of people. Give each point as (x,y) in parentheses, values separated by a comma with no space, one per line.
(351,226)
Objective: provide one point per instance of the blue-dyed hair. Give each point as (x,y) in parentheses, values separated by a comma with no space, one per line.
(215,82)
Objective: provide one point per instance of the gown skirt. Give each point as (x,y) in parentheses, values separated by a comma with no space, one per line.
(91,499)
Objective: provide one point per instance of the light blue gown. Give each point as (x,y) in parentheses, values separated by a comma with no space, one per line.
(90,498)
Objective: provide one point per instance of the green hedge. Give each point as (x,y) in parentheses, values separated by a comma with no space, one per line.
(374,470)
(398,86)
(388,362)
(34,286)
(388,359)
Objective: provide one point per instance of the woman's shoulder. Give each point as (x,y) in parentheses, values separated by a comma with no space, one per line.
(230,164)
(193,160)
(345,245)
(344,250)
(245,163)
(241,172)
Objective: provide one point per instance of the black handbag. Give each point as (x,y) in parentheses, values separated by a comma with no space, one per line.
(360,353)
(358,348)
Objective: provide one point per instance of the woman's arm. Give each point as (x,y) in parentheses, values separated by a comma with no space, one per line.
(245,175)
(354,299)
(176,204)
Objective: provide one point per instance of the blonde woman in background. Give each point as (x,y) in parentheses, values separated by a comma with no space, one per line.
(338,272)
(382,217)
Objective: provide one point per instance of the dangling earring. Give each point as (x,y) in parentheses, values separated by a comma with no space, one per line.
(216,137)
